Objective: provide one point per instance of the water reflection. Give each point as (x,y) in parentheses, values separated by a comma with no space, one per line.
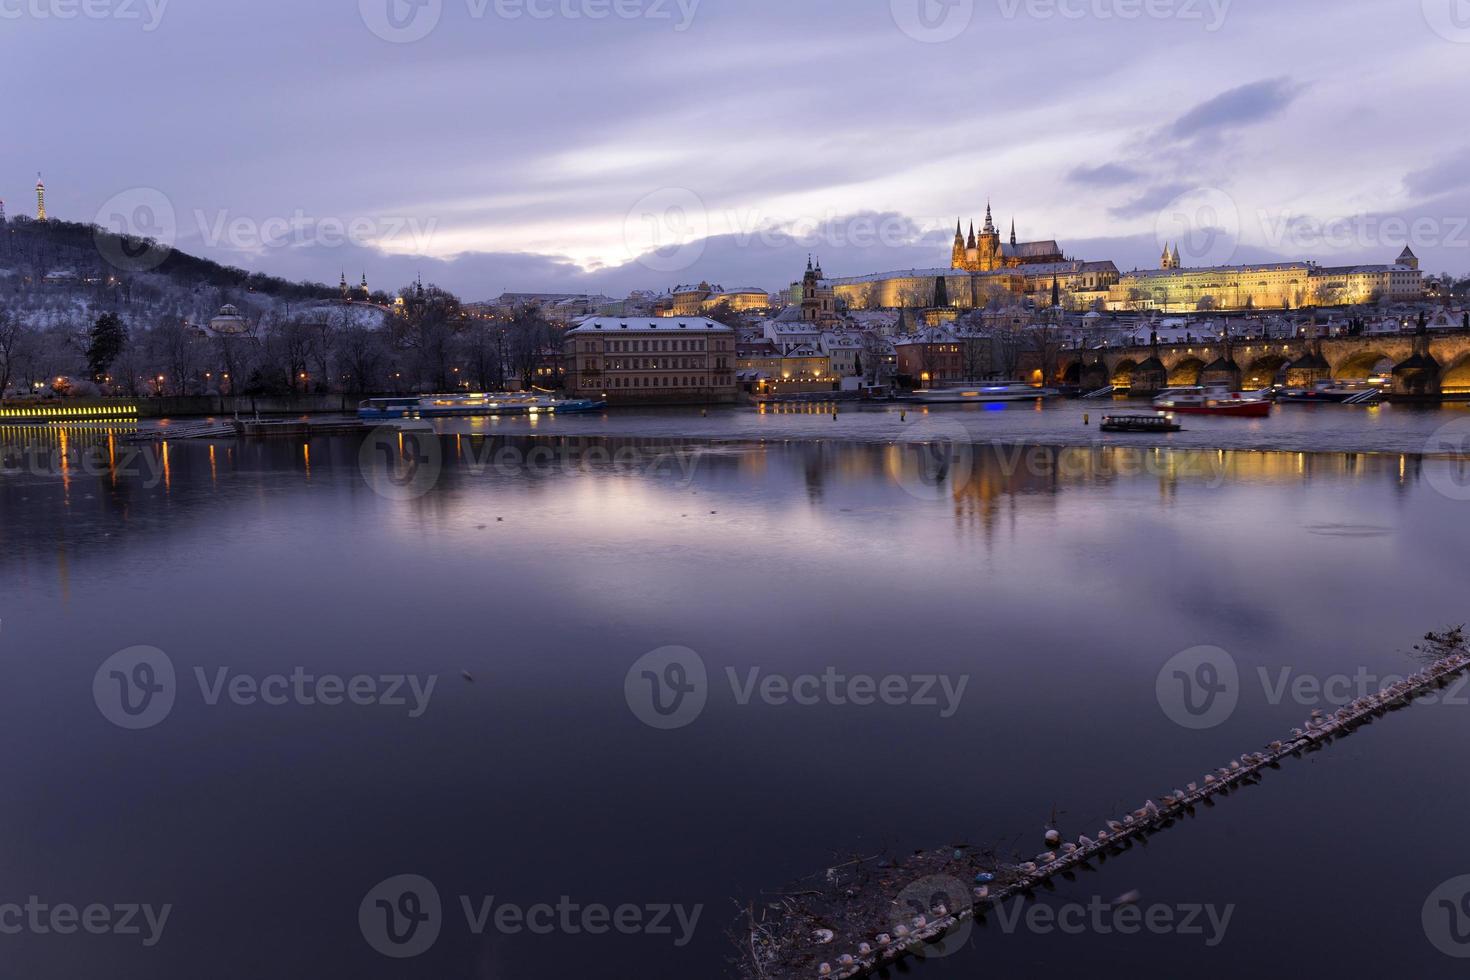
(1059,580)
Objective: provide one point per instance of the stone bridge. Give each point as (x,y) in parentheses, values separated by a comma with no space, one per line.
(1426,365)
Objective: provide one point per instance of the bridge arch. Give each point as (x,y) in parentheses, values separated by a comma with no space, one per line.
(1361,364)
(1456,378)
(1123,373)
(1186,372)
(1264,371)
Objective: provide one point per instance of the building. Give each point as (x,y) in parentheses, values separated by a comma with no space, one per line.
(704,299)
(1266,286)
(1081,285)
(934,356)
(40,198)
(651,360)
(986,253)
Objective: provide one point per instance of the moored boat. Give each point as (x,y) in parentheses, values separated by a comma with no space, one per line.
(1162,422)
(1006,391)
(1213,400)
(1333,393)
(469,406)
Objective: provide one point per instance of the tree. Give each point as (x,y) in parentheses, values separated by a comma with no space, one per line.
(106,342)
(529,334)
(11,331)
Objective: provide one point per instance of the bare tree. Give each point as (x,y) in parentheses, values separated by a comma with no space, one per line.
(11,331)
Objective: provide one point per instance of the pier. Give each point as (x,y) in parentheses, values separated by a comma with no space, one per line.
(843,924)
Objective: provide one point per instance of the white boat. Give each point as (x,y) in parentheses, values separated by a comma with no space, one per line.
(1006,391)
(459,406)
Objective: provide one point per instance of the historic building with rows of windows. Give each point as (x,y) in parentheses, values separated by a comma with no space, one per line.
(651,360)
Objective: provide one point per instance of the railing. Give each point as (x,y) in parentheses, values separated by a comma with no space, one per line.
(20,414)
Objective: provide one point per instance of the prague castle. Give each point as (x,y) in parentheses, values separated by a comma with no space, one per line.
(1266,286)
(985,271)
(985,253)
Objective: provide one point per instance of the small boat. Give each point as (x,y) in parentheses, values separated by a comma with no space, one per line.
(1333,393)
(469,406)
(1161,422)
(1007,391)
(1213,400)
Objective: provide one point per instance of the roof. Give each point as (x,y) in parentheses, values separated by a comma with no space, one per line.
(598,324)
(1263,267)
(1027,250)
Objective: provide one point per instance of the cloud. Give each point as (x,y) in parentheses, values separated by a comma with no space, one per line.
(1243,106)
(1447,175)
(1150,201)
(1105,175)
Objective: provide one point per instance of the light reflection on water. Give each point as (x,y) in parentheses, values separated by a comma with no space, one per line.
(1057,580)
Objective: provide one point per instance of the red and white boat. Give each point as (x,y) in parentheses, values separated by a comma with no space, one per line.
(1213,400)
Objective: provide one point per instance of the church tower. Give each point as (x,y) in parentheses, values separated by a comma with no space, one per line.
(1166,262)
(40,198)
(363,292)
(988,244)
(1013,233)
(1174,262)
(342,287)
(957,257)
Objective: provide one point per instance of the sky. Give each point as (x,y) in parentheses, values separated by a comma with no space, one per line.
(610,145)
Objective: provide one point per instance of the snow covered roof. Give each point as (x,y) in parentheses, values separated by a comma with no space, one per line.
(688,324)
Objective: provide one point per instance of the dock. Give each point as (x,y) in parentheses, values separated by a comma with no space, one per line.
(843,924)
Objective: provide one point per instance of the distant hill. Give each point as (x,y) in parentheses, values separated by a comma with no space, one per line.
(36,249)
(63,275)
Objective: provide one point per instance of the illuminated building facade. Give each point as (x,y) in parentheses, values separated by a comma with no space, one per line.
(702,299)
(1267,286)
(986,253)
(1082,286)
(646,360)
(40,198)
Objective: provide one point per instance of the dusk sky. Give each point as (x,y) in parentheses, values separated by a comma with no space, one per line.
(533,145)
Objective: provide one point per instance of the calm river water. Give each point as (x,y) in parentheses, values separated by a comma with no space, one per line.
(278,754)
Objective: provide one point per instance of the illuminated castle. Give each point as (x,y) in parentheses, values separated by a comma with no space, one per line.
(40,198)
(986,253)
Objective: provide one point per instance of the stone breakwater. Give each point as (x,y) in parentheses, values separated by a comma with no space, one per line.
(880,949)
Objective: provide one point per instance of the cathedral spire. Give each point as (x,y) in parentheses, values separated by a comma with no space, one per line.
(989,222)
(1013,231)
(970,242)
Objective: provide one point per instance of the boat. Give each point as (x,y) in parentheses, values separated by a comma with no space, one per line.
(1333,393)
(1005,391)
(1162,422)
(1213,400)
(468,406)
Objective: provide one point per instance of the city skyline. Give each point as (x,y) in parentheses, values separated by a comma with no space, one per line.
(562,189)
